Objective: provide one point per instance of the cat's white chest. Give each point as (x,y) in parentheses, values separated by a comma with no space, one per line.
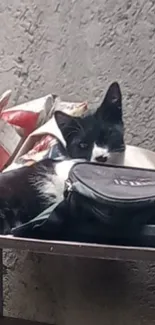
(63,168)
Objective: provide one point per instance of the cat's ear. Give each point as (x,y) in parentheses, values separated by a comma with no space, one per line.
(111,107)
(64,122)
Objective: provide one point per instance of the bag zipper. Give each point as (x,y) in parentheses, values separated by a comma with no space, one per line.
(68,185)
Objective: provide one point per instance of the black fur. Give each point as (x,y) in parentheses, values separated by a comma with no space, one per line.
(21,193)
(20,199)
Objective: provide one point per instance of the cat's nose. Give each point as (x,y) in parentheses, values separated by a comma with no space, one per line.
(101,159)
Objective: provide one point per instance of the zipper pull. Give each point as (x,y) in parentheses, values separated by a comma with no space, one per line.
(67,189)
(68,186)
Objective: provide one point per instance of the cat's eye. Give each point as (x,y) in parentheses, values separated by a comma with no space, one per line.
(83,145)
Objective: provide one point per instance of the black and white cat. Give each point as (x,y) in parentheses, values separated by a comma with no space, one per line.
(27,191)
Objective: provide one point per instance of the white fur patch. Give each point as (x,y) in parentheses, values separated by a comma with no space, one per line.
(63,168)
(99,152)
(47,185)
(52,185)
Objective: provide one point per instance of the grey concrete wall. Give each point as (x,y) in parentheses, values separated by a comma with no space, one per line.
(76,48)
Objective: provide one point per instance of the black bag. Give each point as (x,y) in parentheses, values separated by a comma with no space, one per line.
(119,197)
(47,225)
(103,204)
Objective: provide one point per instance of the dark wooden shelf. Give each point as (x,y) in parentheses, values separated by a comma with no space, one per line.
(67,249)
(15,321)
(79,249)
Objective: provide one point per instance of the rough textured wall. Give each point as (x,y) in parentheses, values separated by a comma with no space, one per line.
(76,48)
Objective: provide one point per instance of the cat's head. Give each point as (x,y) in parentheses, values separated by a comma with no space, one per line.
(79,134)
(110,135)
(94,137)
